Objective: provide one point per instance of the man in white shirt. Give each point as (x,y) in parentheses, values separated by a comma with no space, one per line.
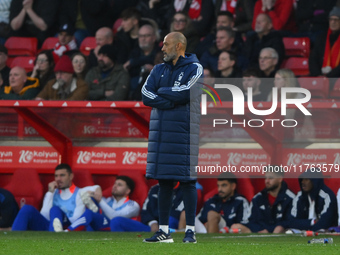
(61,203)
(118,205)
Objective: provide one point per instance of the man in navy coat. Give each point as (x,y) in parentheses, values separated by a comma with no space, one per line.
(172,91)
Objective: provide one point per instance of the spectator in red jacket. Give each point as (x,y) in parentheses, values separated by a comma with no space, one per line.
(280,11)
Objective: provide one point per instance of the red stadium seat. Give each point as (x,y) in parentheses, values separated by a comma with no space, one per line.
(258,184)
(26,187)
(9,61)
(208,185)
(335,92)
(318,86)
(293,184)
(49,43)
(5,179)
(21,46)
(87,45)
(26,62)
(297,47)
(245,188)
(116,25)
(299,66)
(82,178)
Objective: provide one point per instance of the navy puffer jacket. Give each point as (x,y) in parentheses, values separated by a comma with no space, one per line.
(173,93)
(316,209)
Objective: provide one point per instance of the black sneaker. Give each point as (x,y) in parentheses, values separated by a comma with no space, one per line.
(189,237)
(159,237)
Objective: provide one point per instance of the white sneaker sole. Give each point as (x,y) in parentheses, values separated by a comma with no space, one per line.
(57,226)
(190,242)
(162,241)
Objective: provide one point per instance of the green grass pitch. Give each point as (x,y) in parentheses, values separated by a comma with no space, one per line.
(103,243)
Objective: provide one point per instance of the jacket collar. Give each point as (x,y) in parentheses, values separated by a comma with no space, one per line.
(72,88)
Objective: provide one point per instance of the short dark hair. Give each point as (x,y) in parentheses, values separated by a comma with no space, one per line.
(253,71)
(230,177)
(228,14)
(232,54)
(131,12)
(229,30)
(129,182)
(64,166)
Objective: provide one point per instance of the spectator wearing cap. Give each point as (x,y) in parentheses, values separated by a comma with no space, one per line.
(66,41)
(325,57)
(20,86)
(65,86)
(4,69)
(36,19)
(108,81)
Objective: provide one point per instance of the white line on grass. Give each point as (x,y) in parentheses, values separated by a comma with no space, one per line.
(226,236)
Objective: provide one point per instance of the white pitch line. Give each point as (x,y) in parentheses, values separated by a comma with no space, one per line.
(226,236)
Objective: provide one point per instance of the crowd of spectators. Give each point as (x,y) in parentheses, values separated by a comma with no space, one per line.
(228,36)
